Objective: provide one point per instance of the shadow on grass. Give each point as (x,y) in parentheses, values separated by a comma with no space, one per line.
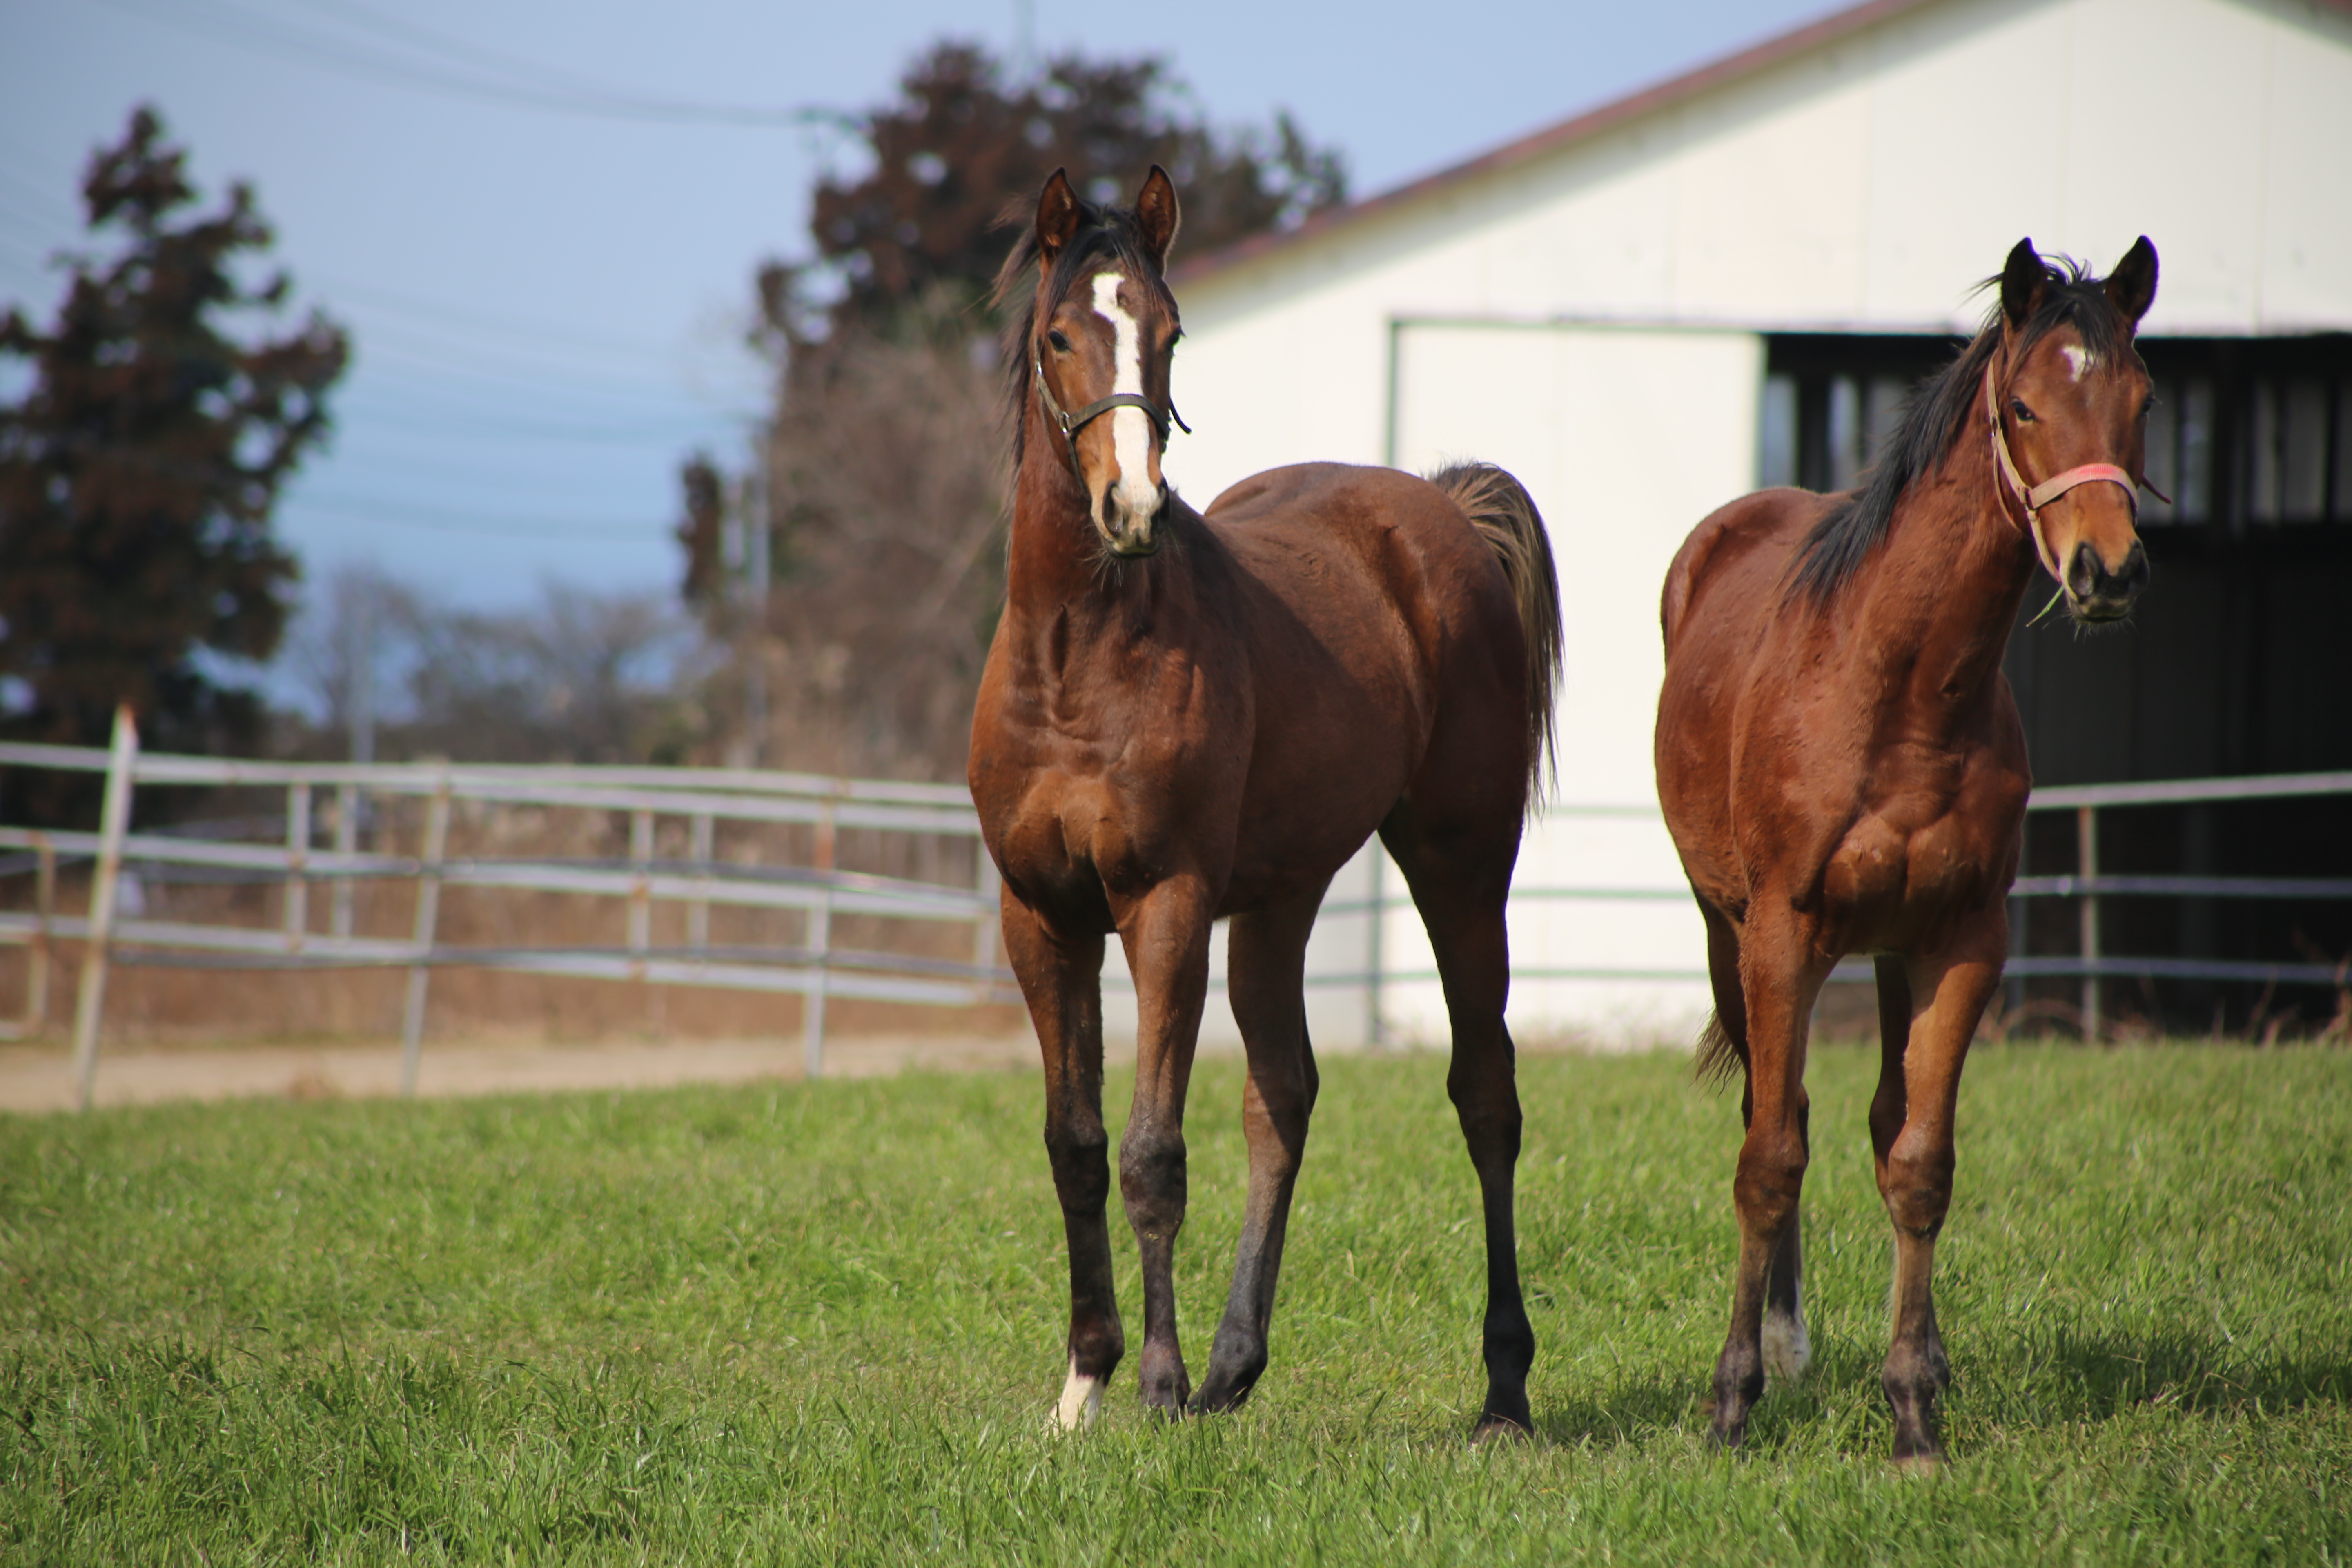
(2102,1376)
(2056,1378)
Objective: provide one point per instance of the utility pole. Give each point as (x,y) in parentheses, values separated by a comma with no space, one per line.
(359,664)
(758,569)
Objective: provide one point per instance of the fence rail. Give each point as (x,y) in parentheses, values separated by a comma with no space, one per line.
(815,969)
(2087,886)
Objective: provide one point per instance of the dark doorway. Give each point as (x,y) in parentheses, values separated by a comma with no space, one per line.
(2238,662)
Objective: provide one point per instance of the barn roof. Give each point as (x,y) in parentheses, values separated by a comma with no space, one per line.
(1578,128)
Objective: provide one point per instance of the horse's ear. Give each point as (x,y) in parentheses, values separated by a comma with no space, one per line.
(2131,287)
(1156,213)
(2023,280)
(1057,218)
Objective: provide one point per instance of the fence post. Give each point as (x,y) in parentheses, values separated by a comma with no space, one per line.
(429,921)
(298,863)
(697,912)
(984,927)
(641,892)
(347,842)
(820,922)
(2086,836)
(114,819)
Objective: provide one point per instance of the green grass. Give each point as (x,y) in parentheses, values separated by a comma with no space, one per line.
(823,1324)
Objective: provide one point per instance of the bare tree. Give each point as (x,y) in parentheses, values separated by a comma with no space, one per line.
(886,493)
(579,677)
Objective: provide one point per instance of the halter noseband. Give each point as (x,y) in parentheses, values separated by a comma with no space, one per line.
(1070,425)
(2033,498)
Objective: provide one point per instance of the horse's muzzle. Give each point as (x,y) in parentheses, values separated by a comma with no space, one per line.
(2096,594)
(1132,532)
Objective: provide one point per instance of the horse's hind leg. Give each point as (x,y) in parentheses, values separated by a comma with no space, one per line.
(1788,1350)
(1911,1133)
(1460,878)
(1062,981)
(1267,966)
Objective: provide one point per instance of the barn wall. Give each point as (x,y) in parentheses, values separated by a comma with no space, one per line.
(1860,188)
(1863,186)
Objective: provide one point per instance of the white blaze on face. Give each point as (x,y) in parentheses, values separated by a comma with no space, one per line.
(1130,429)
(1081,1400)
(2081,362)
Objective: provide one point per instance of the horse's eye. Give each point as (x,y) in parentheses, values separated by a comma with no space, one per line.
(1061,345)
(2017,406)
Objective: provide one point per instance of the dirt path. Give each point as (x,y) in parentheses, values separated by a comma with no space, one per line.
(41,1078)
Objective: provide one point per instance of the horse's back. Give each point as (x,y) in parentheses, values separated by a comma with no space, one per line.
(1737,554)
(1330,540)
(1387,655)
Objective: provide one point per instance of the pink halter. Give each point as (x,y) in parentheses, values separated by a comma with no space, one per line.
(2033,498)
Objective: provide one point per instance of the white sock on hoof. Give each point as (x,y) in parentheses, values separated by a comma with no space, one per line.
(1081,1400)
(1787,1350)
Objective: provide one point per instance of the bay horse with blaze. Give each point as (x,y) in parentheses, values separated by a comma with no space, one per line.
(1842,768)
(1190,717)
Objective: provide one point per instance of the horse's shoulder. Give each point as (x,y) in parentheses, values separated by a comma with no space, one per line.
(1731,532)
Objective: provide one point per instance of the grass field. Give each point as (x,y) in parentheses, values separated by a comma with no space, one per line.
(823,1324)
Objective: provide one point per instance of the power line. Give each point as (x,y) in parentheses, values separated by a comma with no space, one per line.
(496,525)
(396,301)
(488,426)
(272,36)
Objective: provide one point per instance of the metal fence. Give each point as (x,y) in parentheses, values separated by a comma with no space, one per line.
(2087,887)
(816,968)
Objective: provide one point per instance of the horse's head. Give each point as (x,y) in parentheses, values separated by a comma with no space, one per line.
(2069,397)
(1098,347)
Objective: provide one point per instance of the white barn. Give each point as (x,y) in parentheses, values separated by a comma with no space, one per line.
(1630,311)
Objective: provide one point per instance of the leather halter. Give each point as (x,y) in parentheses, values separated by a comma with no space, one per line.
(1070,425)
(2033,498)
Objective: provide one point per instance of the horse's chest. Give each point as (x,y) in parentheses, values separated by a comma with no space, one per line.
(1079,846)
(1902,872)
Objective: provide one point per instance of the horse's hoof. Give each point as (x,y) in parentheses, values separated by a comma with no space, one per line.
(1919,1457)
(1497,1429)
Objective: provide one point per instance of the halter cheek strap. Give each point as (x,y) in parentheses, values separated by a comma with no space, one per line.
(1070,425)
(2033,498)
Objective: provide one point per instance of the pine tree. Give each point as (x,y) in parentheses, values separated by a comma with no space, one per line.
(140,466)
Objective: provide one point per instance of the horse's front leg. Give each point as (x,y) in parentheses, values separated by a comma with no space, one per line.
(1166,933)
(1911,1134)
(1061,977)
(1780,975)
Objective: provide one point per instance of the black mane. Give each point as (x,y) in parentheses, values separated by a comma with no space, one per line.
(1103,231)
(1938,414)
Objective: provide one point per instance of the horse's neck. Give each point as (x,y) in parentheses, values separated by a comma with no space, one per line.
(1056,574)
(1951,577)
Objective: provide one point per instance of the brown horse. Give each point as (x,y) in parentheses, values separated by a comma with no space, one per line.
(1187,718)
(1843,771)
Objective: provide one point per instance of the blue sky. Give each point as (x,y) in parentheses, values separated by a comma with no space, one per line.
(542,225)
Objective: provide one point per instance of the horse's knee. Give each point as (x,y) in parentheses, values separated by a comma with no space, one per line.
(1080,1157)
(1916,1179)
(1151,1177)
(1771,1177)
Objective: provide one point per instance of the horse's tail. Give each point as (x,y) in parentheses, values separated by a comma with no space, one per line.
(1718,1053)
(1505,515)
